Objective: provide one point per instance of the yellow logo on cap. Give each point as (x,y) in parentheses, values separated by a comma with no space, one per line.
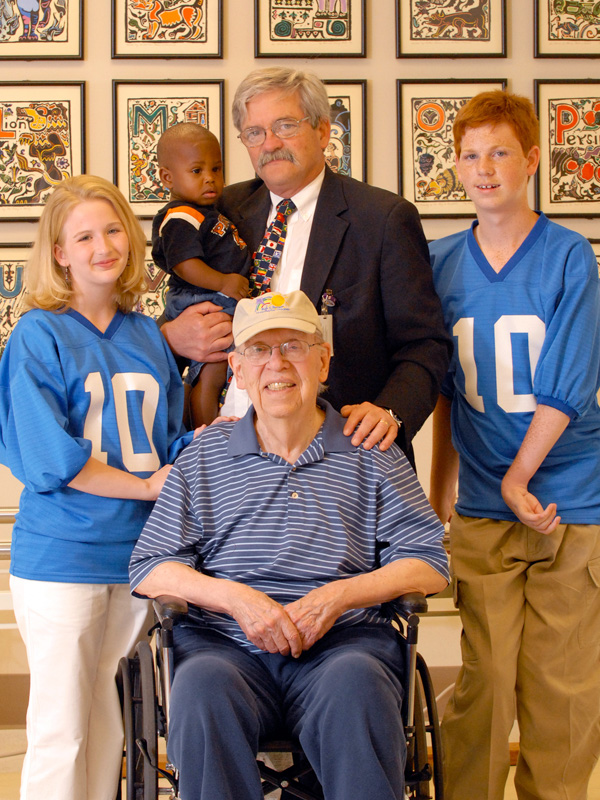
(265,303)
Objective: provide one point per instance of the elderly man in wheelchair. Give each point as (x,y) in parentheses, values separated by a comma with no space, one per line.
(286,540)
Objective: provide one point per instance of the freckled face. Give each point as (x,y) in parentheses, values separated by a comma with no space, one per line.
(493,168)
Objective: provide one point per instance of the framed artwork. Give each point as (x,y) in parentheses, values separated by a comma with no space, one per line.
(41,143)
(41,29)
(566,29)
(142,110)
(426,171)
(568,178)
(346,152)
(152,303)
(167,29)
(456,29)
(12,260)
(309,28)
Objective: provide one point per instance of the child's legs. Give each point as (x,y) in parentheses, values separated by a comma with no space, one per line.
(204,397)
(63,626)
(126,622)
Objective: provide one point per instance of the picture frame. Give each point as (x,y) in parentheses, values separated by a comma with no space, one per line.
(42,142)
(346,152)
(13,258)
(566,29)
(56,31)
(152,302)
(178,29)
(568,177)
(477,31)
(309,28)
(142,110)
(426,171)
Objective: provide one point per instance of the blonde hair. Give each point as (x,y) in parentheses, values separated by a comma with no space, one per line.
(45,280)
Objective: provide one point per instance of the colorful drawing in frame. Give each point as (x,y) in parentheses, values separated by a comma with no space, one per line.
(142,111)
(167,29)
(427,172)
(13,258)
(305,28)
(41,29)
(567,28)
(152,303)
(454,28)
(568,179)
(41,143)
(346,151)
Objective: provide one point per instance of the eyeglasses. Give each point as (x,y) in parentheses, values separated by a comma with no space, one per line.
(282,128)
(295,351)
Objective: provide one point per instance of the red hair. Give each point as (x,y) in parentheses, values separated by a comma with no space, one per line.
(493,108)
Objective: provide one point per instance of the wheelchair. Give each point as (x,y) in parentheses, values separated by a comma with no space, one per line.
(144,683)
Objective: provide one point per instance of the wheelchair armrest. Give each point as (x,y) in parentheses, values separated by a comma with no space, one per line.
(168,607)
(407,604)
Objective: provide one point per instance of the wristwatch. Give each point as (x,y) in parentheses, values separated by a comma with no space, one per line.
(396,419)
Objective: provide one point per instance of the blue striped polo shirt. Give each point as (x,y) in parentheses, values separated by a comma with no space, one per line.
(235,512)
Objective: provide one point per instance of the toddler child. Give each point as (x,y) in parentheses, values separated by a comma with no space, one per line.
(188,235)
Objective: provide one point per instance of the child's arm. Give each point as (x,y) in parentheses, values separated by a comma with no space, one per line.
(444,462)
(104,481)
(198,273)
(546,427)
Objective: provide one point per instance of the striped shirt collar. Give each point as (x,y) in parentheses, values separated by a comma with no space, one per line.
(329,439)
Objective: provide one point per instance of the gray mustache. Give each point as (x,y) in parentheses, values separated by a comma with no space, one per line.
(277,155)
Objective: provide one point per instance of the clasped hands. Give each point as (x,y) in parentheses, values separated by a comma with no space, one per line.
(290,629)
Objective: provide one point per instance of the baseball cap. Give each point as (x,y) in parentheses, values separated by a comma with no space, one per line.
(273,310)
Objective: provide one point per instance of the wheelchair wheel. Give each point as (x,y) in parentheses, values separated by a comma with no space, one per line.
(136,676)
(418,769)
(433,726)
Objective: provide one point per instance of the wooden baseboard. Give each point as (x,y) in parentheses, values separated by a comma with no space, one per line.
(513,748)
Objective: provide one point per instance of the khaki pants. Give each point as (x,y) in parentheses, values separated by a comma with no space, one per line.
(530,609)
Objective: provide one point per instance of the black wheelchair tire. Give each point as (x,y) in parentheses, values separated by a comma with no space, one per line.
(149,728)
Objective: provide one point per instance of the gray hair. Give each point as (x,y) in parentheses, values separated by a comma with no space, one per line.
(311,91)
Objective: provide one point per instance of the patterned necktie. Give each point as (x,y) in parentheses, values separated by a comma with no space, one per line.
(269,250)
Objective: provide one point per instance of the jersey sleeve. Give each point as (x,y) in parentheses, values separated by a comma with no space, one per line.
(567,374)
(34,412)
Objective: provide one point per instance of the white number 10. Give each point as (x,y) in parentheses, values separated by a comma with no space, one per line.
(510,402)
(122,383)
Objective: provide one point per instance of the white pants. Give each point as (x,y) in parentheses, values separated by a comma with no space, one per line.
(74,634)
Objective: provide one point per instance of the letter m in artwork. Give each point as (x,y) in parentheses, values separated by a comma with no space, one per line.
(147,119)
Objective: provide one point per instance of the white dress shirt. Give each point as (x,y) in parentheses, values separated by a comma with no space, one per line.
(288,274)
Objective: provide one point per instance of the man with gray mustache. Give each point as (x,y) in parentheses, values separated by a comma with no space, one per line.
(357,251)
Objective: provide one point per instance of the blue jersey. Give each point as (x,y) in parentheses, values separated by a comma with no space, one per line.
(526,335)
(68,392)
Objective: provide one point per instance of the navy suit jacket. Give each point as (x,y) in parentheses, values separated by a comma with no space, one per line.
(367,246)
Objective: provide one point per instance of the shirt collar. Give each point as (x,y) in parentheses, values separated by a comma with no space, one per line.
(305,200)
(243,439)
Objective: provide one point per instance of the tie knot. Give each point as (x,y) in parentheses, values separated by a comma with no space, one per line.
(286,207)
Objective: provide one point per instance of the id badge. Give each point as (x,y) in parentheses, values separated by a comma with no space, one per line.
(327,326)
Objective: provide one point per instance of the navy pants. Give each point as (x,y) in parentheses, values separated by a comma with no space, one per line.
(341,700)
